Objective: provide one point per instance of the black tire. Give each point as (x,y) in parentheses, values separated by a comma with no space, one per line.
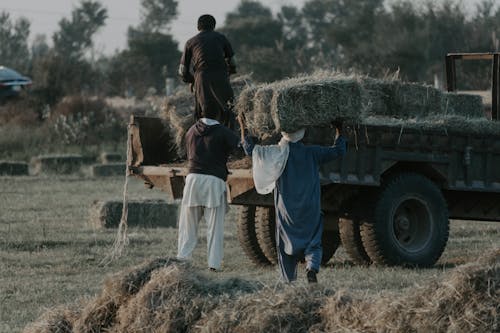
(330,241)
(265,228)
(410,223)
(350,236)
(248,238)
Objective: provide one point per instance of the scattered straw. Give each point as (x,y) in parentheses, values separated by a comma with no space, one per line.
(165,295)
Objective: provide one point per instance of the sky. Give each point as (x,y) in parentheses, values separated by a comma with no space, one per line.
(44,16)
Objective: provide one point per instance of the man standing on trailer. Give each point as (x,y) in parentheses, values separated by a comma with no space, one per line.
(291,169)
(208,145)
(206,63)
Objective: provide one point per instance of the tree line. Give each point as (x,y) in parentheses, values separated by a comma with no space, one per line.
(374,37)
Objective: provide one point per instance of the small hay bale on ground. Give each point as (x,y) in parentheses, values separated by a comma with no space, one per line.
(106,158)
(14,168)
(110,169)
(57,164)
(141,213)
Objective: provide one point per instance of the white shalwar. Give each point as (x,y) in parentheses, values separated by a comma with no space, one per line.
(203,196)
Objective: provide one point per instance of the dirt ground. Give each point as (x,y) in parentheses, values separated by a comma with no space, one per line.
(50,255)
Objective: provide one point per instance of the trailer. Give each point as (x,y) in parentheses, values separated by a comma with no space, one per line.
(387,201)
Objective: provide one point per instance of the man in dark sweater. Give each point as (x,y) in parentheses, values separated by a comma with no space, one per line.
(206,63)
(208,145)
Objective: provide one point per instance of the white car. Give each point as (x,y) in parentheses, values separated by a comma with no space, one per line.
(11,83)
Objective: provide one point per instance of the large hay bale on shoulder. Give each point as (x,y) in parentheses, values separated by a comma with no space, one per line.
(14,168)
(141,213)
(57,164)
(109,169)
(316,103)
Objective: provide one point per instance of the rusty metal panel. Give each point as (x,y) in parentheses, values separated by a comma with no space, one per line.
(495,88)
(450,73)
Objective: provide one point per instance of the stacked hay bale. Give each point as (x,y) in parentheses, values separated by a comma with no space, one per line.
(111,165)
(107,157)
(108,169)
(317,100)
(13,168)
(59,164)
(143,213)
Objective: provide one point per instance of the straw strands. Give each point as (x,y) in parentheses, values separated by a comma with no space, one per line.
(319,99)
(165,295)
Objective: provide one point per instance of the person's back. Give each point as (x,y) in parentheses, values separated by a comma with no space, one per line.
(209,51)
(208,148)
(206,63)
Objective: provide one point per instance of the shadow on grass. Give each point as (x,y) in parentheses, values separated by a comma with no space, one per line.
(38,246)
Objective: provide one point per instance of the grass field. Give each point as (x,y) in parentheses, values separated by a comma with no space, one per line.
(50,255)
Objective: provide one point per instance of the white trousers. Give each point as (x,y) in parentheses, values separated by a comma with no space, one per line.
(188,232)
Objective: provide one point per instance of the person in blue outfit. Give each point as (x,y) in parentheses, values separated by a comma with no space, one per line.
(291,169)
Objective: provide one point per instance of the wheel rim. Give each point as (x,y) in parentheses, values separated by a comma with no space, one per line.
(412,224)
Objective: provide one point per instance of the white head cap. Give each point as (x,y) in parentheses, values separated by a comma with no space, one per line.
(294,136)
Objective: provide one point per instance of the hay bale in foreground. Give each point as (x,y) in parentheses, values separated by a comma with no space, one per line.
(57,320)
(14,168)
(58,164)
(165,295)
(106,158)
(141,213)
(109,169)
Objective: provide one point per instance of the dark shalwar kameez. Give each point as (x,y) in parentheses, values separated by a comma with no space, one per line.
(207,54)
(297,199)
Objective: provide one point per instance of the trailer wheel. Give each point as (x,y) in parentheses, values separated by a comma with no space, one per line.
(265,227)
(330,241)
(248,238)
(350,236)
(410,223)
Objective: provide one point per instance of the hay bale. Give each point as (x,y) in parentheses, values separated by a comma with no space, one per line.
(143,213)
(467,300)
(99,314)
(57,320)
(469,106)
(106,158)
(58,164)
(165,295)
(106,170)
(13,168)
(314,101)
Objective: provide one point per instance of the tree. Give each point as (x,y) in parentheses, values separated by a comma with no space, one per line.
(75,35)
(157,15)
(14,50)
(257,39)
(152,52)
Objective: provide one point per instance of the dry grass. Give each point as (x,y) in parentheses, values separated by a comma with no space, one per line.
(50,255)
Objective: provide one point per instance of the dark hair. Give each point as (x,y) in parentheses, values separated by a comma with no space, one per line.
(206,22)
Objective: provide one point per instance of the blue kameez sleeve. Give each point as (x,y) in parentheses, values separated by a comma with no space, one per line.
(248,145)
(327,154)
